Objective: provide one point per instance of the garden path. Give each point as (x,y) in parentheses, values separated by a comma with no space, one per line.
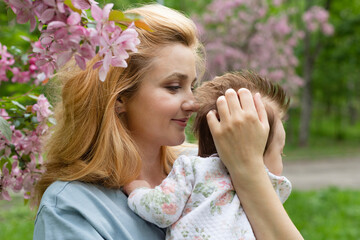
(340,172)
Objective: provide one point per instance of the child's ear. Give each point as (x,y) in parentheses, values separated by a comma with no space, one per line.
(119,106)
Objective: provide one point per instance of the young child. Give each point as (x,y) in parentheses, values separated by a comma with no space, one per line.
(197,199)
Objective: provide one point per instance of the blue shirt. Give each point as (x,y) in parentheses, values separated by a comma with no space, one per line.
(76,210)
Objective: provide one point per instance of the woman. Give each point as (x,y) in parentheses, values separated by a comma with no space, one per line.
(110,133)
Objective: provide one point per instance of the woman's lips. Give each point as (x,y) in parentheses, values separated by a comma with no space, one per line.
(181,121)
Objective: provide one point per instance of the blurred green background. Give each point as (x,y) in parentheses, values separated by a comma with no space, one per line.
(334,127)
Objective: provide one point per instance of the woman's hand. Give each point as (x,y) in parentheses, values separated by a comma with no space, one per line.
(240,137)
(241,133)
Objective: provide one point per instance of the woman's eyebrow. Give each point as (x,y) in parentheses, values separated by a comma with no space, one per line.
(178,76)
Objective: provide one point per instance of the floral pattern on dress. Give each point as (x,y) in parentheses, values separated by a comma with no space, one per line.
(197,201)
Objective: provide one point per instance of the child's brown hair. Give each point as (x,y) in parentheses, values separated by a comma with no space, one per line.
(208,93)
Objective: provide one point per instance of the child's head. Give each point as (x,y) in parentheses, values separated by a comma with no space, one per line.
(275,100)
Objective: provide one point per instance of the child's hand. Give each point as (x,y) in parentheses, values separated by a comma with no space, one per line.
(128,188)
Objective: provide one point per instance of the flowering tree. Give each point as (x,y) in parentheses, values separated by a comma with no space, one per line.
(254,34)
(77,29)
(245,34)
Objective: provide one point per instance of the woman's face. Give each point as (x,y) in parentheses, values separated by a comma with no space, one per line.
(158,112)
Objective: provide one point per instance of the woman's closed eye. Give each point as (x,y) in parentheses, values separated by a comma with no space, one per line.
(173,88)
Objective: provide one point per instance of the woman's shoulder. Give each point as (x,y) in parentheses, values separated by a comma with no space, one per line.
(83,204)
(62,194)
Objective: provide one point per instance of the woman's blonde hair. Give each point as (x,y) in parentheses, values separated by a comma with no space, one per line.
(90,142)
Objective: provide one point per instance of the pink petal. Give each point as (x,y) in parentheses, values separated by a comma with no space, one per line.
(41,62)
(96,13)
(50,3)
(22,17)
(117,62)
(60,6)
(63,58)
(56,24)
(87,51)
(73,19)
(47,15)
(80,62)
(60,34)
(81,4)
(32,23)
(22,4)
(98,64)
(5,195)
(106,10)
(107,60)
(102,74)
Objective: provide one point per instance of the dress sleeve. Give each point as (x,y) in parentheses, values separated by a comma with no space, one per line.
(281,184)
(57,224)
(164,204)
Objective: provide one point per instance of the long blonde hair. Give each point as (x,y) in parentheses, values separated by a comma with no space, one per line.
(90,142)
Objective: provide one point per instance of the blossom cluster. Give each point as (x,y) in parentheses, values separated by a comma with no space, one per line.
(68,31)
(244,34)
(20,71)
(316,18)
(21,162)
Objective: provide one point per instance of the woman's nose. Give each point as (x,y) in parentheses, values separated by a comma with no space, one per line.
(190,104)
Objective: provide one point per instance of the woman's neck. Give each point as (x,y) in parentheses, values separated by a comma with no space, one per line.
(152,169)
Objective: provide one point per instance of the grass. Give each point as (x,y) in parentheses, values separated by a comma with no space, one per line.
(326,214)
(16,220)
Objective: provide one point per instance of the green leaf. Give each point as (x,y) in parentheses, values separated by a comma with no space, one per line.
(10,15)
(117,16)
(52,120)
(5,128)
(19,105)
(70,5)
(143,25)
(122,26)
(133,16)
(34,120)
(33,96)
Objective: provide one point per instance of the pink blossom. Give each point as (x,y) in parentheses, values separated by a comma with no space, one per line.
(114,48)
(6,61)
(5,182)
(42,108)
(4,114)
(277,2)
(83,4)
(327,29)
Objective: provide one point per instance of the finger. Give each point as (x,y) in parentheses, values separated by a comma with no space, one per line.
(212,121)
(233,101)
(222,108)
(246,100)
(260,108)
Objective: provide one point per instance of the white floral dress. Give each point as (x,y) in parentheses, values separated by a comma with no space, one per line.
(197,201)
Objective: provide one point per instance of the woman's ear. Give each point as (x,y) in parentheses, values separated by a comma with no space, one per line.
(119,106)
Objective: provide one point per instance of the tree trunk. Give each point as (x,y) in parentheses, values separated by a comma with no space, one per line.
(306,101)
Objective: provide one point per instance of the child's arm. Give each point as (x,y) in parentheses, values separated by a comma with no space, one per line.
(282,186)
(129,188)
(164,204)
